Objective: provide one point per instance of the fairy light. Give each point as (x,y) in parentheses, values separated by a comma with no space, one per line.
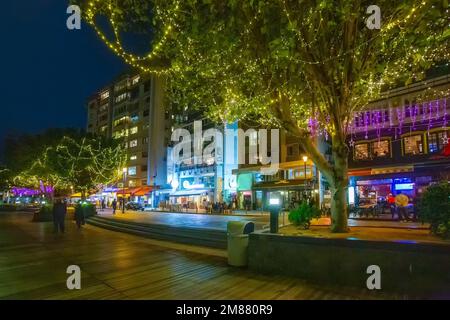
(139,62)
(83,164)
(209,69)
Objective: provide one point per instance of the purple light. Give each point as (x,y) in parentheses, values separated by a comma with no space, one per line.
(24,192)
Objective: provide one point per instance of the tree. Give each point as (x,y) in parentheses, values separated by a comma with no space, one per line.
(434,208)
(304,66)
(4,178)
(21,149)
(80,164)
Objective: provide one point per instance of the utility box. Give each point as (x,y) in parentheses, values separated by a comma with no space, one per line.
(238,235)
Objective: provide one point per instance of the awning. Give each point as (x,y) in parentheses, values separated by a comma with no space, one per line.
(138,191)
(401,169)
(283,165)
(143,191)
(126,191)
(384,170)
(196,192)
(78,195)
(362,172)
(291,184)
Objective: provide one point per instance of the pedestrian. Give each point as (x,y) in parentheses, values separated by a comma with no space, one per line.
(401,201)
(79,215)
(59,215)
(114,206)
(103,204)
(391,203)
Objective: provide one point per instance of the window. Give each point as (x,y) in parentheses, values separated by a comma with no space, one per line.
(135,80)
(435,141)
(134,118)
(119,110)
(380,149)
(103,107)
(133,143)
(292,174)
(413,145)
(145,140)
(133,107)
(120,134)
(361,151)
(104,95)
(120,86)
(146,113)
(145,154)
(132,171)
(120,121)
(144,168)
(133,157)
(134,130)
(122,97)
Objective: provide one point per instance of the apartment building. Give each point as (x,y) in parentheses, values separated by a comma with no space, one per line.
(132,109)
(193,184)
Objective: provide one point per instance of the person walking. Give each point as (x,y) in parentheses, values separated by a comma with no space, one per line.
(79,215)
(59,215)
(401,201)
(391,203)
(114,206)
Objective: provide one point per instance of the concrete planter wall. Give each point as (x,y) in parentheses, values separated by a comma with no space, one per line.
(405,267)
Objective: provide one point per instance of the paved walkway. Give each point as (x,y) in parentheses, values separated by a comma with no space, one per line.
(33,264)
(220,221)
(187,219)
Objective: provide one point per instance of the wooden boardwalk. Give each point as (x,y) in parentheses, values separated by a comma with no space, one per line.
(33,263)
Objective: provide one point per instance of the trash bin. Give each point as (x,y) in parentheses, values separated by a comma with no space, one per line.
(238,232)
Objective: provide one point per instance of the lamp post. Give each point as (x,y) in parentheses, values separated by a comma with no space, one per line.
(305,159)
(124,170)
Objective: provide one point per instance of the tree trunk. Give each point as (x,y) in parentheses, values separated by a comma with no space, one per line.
(339,187)
(336,175)
(339,210)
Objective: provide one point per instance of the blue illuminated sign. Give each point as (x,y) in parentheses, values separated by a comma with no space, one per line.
(404,186)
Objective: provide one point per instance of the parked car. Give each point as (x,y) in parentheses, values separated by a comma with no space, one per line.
(134,206)
(148,207)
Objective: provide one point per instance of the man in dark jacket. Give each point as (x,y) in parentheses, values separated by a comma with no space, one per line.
(79,215)
(59,215)
(114,206)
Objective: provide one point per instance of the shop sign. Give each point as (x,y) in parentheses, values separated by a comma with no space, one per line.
(373,182)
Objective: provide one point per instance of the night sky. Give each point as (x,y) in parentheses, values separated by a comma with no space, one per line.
(48,71)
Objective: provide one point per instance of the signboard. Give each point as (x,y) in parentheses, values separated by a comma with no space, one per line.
(404,186)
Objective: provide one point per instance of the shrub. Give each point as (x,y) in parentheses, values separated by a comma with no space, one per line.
(434,208)
(303,215)
(85,208)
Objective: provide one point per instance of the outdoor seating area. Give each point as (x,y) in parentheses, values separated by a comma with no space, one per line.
(380,211)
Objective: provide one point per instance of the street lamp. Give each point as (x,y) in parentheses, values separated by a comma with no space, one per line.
(305,159)
(124,170)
